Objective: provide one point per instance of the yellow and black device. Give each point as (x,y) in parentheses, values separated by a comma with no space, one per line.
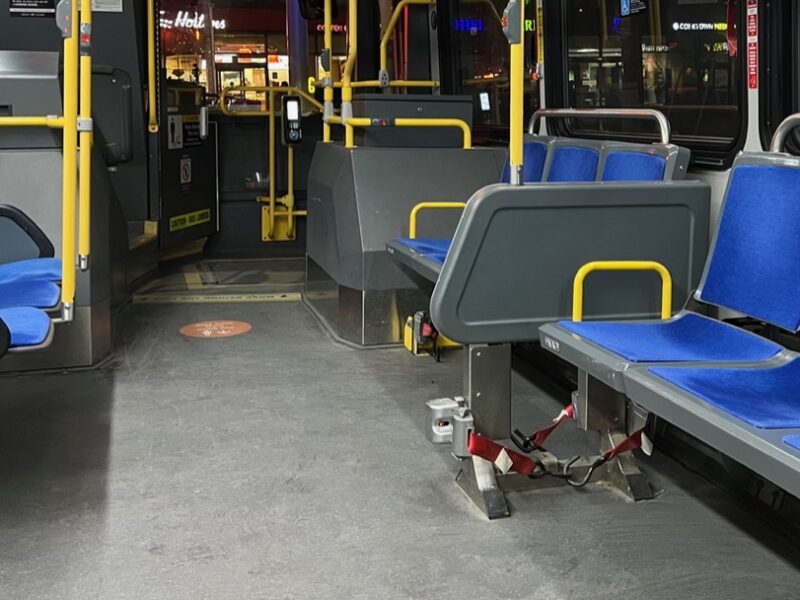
(291,120)
(421,337)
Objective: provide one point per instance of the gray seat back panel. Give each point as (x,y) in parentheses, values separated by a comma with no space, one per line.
(517,249)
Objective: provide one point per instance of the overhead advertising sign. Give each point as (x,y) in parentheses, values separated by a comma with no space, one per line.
(32,8)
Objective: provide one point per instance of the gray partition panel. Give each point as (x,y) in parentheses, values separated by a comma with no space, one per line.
(359,199)
(517,249)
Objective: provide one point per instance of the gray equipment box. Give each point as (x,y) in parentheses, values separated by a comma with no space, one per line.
(393,106)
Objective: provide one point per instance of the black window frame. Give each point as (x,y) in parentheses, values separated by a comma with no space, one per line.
(779,70)
(705,154)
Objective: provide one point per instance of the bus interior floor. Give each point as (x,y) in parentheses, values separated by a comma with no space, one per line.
(279,464)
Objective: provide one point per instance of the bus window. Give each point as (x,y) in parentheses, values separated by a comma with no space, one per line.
(480,60)
(679,57)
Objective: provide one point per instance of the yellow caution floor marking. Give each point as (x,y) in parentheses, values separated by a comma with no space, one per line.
(214,298)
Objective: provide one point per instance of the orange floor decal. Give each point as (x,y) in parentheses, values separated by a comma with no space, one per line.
(215,329)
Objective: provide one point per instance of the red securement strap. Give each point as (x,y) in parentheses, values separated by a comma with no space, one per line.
(490,450)
(538,438)
(632,442)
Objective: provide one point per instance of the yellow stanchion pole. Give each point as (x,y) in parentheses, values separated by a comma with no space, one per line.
(327,76)
(69,171)
(514,29)
(85,126)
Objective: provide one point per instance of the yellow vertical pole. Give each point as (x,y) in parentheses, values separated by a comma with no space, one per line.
(516,125)
(271,113)
(86,128)
(290,193)
(69,174)
(352,53)
(327,75)
(152,126)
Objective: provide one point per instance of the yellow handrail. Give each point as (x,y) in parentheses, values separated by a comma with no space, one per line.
(350,124)
(412,219)
(389,32)
(152,126)
(85,172)
(52,121)
(622,265)
(69,167)
(274,89)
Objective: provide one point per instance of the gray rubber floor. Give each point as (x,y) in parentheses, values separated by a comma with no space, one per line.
(280,465)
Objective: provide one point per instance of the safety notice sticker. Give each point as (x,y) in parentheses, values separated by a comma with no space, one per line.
(752,44)
(32,8)
(113,6)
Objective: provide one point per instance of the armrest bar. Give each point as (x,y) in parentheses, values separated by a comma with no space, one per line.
(412,220)
(622,265)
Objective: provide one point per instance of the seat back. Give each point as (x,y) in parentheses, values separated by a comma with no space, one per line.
(622,161)
(753,267)
(5,338)
(572,161)
(534,156)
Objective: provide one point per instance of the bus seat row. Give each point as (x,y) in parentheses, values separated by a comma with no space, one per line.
(29,287)
(725,385)
(27,329)
(35,293)
(46,269)
(563,160)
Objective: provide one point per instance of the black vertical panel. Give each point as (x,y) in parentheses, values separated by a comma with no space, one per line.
(369,27)
(555,59)
(447,62)
(419,46)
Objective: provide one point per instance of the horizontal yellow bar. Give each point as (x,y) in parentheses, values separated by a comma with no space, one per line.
(415,122)
(622,265)
(51,122)
(412,220)
(334,120)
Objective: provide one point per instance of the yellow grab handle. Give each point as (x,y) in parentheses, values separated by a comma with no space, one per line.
(622,265)
(412,221)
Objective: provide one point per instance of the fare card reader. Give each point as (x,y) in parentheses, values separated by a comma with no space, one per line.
(292,129)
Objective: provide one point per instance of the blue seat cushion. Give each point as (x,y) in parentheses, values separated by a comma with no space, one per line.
(754,268)
(793,441)
(432,248)
(35,293)
(634,166)
(28,326)
(48,269)
(765,398)
(689,337)
(573,164)
(533,157)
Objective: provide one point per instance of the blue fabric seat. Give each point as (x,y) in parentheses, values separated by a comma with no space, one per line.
(35,293)
(48,269)
(793,441)
(533,158)
(764,398)
(28,326)
(688,337)
(633,166)
(434,249)
(573,164)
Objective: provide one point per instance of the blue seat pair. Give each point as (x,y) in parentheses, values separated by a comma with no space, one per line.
(753,269)
(570,161)
(27,289)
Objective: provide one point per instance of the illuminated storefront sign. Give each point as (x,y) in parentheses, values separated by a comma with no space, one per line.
(187,20)
(684,26)
(469,25)
(335,28)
